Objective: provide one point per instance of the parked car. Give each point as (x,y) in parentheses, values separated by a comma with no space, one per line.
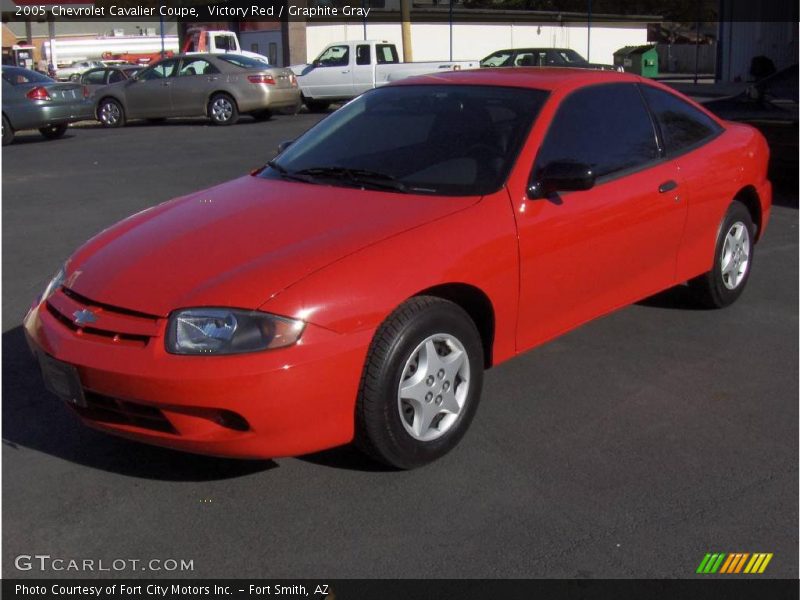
(770,105)
(34,101)
(541,57)
(94,79)
(343,70)
(76,68)
(219,86)
(358,286)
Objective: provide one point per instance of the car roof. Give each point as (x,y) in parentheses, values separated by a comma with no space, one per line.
(541,78)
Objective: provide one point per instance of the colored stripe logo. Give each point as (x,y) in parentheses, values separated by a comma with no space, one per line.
(734,563)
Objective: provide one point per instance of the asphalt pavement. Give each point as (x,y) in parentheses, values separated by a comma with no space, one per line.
(627,448)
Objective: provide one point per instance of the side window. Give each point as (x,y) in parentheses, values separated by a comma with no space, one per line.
(362,55)
(116,76)
(541,61)
(386,54)
(197,66)
(605,127)
(525,59)
(335,56)
(97,77)
(682,125)
(163,69)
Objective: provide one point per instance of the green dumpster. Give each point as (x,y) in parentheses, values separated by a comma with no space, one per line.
(642,60)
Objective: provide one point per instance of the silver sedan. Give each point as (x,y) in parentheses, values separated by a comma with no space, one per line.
(217,86)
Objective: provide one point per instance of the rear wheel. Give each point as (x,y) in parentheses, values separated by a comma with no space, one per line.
(8,132)
(733,258)
(421,383)
(222,110)
(52,132)
(110,113)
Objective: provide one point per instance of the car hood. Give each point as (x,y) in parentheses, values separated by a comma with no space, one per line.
(239,244)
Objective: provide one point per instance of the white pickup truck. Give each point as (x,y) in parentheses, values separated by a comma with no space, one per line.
(200,39)
(346,69)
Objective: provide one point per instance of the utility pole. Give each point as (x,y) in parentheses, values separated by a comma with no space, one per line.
(405,17)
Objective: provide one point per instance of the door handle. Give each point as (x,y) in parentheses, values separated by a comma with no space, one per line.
(167,83)
(667,186)
(347,71)
(213,78)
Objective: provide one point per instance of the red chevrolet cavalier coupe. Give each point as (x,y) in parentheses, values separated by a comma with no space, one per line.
(358,285)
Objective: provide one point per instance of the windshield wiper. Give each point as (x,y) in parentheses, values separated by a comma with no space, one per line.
(360,177)
(287,174)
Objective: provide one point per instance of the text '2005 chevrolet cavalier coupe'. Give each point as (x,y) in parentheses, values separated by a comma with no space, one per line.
(357,287)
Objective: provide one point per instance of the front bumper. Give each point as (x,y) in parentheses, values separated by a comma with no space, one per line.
(267,404)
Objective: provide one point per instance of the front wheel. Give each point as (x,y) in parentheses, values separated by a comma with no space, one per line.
(421,383)
(8,132)
(222,110)
(52,132)
(316,105)
(733,258)
(110,113)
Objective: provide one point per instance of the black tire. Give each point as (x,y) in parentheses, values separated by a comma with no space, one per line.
(380,430)
(713,289)
(262,115)
(110,113)
(316,105)
(8,132)
(222,109)
(53,132)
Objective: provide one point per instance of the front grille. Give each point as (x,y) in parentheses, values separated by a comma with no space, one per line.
(110,323)
(106,409)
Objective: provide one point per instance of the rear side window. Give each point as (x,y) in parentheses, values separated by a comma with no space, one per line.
(605,127)
(387,54)
(362,54)
(682,125)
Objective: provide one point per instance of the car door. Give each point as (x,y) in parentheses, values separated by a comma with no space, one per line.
(332,76)
(686,131)
(196,79)
(584,253)
(363,70)
(149,95)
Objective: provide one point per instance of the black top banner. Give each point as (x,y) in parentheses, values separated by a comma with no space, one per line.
(389,11)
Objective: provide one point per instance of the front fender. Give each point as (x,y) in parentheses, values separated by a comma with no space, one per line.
(476,246)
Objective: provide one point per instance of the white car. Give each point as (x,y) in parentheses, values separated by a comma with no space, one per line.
(77,69)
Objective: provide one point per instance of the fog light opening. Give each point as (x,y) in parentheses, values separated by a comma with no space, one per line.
(231,420)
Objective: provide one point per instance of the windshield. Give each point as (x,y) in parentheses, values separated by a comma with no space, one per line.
(435,139)
(501,58)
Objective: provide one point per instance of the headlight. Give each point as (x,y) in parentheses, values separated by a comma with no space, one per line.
(56,282)
(229,331)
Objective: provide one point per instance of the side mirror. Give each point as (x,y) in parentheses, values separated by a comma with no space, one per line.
(284,145)
(560,176)
(316,63)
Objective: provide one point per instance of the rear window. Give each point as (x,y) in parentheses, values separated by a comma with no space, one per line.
(386,54)
(22,76)
(244,62)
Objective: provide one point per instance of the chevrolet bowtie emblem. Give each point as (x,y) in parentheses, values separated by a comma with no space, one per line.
(82,317)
